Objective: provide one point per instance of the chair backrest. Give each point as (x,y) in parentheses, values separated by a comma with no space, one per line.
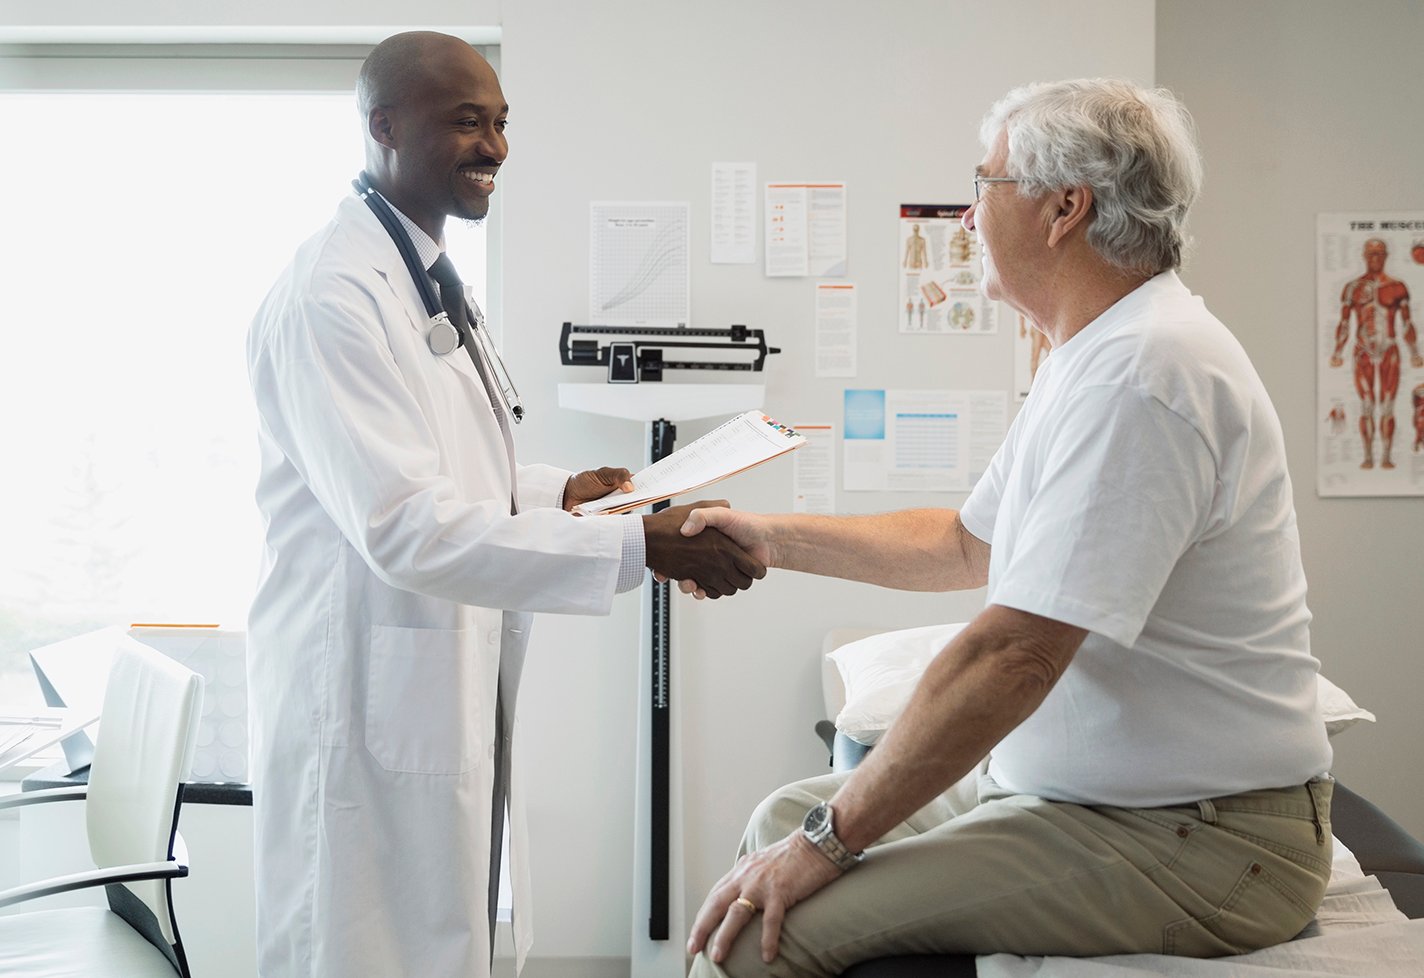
(147,734)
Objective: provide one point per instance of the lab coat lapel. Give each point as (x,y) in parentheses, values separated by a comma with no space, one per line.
(385,258)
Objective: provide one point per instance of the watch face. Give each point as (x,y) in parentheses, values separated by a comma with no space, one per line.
(816,819)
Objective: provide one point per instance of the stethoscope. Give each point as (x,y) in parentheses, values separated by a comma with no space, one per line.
(442,337)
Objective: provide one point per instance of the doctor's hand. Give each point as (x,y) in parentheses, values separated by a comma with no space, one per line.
(749,531)
(717,564)
(593,484)
(770,882)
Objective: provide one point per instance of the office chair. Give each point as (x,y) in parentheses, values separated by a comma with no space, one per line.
(147,733)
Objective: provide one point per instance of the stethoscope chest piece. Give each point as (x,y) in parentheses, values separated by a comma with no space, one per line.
(443,337)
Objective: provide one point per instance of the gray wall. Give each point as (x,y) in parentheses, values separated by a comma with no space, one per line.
(1308,106)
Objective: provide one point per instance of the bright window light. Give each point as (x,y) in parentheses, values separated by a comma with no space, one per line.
(142,232)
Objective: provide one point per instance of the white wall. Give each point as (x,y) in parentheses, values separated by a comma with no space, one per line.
(1308,107)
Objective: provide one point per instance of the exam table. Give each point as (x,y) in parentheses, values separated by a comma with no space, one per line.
(1383,848)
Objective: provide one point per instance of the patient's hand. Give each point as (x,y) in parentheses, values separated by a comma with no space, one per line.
(773,880)
(713,559)
(753,533)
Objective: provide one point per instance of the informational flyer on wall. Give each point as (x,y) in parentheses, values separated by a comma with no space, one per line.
(814,470)
(921,440)
(1031,348)
(835,319)
(805,229)
(1369,371)
(733,214)
(940,269)
(638,266)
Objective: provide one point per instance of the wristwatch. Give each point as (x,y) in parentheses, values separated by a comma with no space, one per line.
(821,833)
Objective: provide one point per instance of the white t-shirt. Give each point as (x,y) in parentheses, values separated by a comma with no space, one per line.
(1142,494)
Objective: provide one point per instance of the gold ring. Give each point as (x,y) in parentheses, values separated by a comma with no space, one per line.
(743,901)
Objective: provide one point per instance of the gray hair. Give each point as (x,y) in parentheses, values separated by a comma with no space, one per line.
(1135,148)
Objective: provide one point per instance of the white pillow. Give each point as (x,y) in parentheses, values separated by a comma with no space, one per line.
(880,673)
(1340,712)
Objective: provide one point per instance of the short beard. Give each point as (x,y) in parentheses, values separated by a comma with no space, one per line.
(473,222)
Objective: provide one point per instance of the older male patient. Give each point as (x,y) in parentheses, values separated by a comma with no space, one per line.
(1121,753)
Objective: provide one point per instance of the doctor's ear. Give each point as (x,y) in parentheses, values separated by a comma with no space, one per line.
(380,126)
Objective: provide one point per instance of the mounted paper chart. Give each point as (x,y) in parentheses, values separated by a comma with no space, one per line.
(733,223)
(835,316)
(927,440)
(733,446)
(1369,377)
(940,268)
(638,264)
(805,229)
(813,475)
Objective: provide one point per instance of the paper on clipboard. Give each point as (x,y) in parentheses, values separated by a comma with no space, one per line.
(733,446)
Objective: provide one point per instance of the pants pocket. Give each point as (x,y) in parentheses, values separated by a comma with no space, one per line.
(423,712)
(1259,911)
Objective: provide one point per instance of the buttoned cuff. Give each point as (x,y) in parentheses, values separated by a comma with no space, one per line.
(635,552)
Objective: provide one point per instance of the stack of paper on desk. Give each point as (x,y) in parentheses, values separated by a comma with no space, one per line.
(24,736)
(733,446)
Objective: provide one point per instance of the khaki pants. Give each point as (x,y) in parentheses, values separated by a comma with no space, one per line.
(981,870)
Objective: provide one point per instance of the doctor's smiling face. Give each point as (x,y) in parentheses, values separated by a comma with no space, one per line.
(435,118)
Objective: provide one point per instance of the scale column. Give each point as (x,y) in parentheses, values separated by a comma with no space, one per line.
(657,952)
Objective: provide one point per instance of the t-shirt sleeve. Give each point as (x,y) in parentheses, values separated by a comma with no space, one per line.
(982,506)
(1124,486)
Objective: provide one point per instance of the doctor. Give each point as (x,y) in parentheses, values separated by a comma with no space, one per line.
(404,552)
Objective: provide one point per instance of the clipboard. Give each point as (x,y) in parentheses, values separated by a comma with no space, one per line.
(734,446)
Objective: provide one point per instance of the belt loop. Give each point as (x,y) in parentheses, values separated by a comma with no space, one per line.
(1311,787)
(1208,811)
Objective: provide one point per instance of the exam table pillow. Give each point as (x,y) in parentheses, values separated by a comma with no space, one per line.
(879,671)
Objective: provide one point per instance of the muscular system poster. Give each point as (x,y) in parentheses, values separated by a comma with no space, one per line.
(1369,269)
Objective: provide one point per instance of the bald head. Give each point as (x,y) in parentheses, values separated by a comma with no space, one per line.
(403,65)
(434,119)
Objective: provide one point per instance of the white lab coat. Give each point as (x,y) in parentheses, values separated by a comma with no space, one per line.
(377,638)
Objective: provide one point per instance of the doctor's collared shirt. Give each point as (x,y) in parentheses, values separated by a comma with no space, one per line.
(630,573)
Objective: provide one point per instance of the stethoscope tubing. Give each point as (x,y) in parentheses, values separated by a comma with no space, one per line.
(443,337)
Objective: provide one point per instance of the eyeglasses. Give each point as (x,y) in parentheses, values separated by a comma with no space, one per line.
(980,181)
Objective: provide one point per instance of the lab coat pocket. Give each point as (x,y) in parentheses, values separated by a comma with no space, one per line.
(423,711)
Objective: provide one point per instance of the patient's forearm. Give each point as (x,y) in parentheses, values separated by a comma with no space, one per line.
(912,550)
(986,682)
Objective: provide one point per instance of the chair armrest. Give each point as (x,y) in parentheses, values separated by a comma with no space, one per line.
(70,793)
(168,869)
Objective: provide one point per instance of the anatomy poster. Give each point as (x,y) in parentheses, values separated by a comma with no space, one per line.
(1031,348)
(940,269)
(1369,372)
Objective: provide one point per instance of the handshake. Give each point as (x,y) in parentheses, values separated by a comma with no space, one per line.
(709,549)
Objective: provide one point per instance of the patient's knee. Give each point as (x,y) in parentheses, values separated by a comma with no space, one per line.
(783,811)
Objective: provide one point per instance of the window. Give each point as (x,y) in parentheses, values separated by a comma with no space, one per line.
(143,229)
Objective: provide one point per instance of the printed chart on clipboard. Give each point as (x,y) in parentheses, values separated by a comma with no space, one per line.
(638,264)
